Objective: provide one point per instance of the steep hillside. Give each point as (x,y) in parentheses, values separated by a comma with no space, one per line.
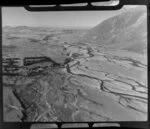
(127,30)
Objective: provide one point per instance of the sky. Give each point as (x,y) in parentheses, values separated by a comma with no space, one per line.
(18,16)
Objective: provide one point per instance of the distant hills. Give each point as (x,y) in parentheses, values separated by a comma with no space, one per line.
(127,31)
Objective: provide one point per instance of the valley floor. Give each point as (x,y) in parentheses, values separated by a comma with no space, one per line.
(96,85)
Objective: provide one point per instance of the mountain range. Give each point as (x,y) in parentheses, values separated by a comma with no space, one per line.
(127,31)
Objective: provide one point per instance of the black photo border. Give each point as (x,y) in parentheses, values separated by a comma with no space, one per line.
(27,125)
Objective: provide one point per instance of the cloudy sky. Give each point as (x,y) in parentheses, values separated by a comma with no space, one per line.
(18,16)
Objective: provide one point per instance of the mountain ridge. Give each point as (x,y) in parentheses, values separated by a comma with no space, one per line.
(127,31)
